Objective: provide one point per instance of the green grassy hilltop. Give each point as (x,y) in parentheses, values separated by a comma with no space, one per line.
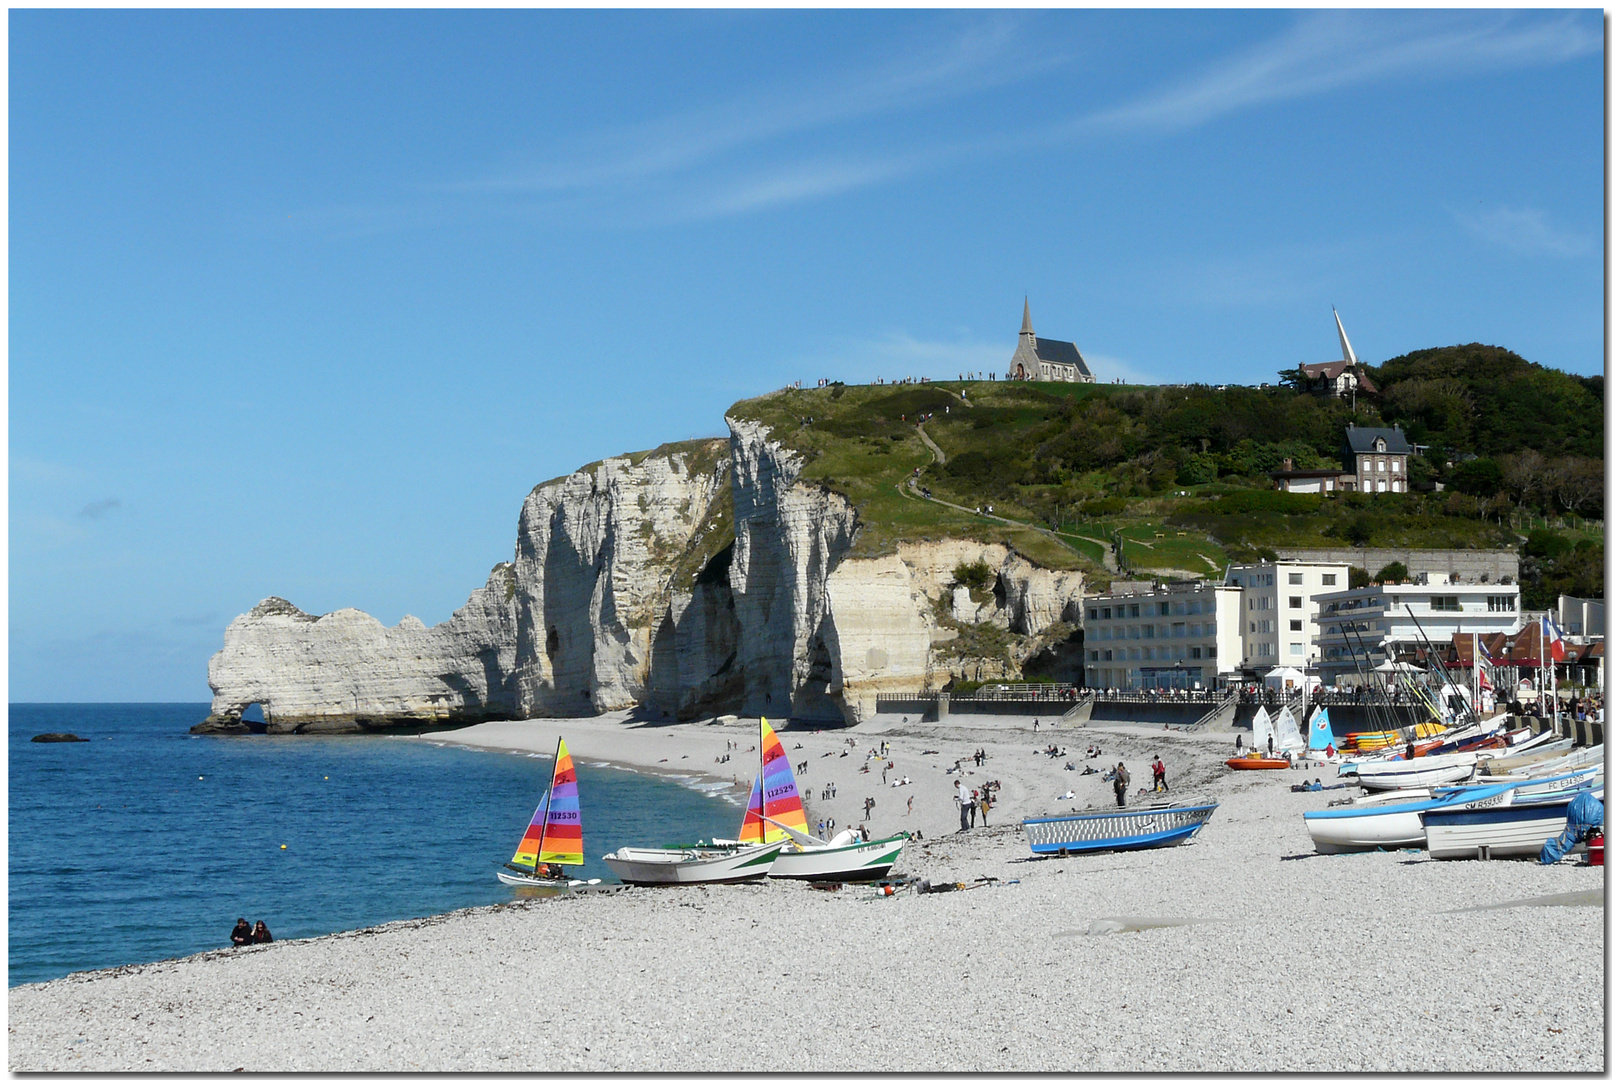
(1178,474)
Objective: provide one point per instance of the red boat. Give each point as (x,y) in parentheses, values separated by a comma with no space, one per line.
(1257,761)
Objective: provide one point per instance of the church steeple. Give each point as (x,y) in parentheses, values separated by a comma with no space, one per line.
(1026,328)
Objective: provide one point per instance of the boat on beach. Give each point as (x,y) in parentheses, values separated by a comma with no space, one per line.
(1519,830)
(775,812)
(1256,761)
(696,864)
(1393,820)
(1163,825)
(553,839)
(773,841)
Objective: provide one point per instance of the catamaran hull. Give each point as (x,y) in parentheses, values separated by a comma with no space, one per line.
(691,866)
(1116,830)
(854,862)
(523,881)
(1507,832)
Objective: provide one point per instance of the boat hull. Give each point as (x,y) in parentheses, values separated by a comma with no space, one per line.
(1116,830)
(1386,824)
(524,881)
(1507,832)
(1419,772)
(1257,763)
(868,861)
(693,866)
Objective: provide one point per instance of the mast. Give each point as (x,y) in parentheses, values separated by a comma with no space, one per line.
(542,834)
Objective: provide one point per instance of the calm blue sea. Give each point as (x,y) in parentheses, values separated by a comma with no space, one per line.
(147,842)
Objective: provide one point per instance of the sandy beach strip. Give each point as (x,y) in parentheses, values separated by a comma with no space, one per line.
(1271,957)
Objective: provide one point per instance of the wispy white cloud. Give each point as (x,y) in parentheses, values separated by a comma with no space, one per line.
(1525,231)
(984,54)
(1331,50)
(1108,368)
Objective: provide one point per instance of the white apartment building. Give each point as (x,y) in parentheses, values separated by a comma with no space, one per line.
(1175,634)
(1279,610)
(1380,616)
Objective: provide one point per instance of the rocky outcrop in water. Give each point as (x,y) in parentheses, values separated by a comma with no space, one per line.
(698,579)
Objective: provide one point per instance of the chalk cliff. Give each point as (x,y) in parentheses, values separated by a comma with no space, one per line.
(700,578)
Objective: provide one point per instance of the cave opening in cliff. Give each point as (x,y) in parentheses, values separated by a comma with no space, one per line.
(252,717)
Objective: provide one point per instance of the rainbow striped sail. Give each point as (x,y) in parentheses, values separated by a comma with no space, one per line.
(773,795)
(555,834)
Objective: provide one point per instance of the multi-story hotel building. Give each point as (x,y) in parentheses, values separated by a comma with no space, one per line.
(1279,609)
(1174,634)
(1355,626)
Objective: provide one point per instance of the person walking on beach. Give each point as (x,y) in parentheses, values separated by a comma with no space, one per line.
(1122,780)
(241,935)
(909,805)
(1158,774)
(867,807)
(985,810)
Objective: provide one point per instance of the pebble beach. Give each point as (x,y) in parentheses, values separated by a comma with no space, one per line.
(1241,950)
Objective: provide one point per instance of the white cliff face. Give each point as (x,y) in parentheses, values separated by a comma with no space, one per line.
(594,562)
(702,578)
(345,670)
(788,537)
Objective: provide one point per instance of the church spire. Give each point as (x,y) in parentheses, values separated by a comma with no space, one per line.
(1026,328)
(1349,358)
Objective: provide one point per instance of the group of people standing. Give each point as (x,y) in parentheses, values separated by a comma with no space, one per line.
(247,934)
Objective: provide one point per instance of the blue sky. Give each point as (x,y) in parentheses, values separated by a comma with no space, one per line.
(304,303)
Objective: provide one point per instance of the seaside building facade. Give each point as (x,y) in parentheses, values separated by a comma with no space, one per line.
(1163,635)
(1045,360)
(1356,627)
(1279,610)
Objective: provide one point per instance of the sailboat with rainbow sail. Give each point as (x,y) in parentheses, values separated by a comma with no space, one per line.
(553,839)
(776,813)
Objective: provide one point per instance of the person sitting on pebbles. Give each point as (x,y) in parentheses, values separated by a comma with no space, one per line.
(241,935)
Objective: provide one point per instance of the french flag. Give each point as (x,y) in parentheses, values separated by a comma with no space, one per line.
(1553,637)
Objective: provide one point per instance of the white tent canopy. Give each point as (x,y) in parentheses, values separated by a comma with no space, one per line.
(1290,677)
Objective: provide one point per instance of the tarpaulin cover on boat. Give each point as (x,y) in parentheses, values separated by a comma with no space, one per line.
(1584,813)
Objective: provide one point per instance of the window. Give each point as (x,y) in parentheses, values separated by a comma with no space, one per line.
(1502,603)
(1329,579)
(1093,656)
(1178,629)
(1136,632)
(1108,613)
(1296,625)
(1136,610)
(1264,603)
(1295,648)
(1147,654)
(1251,626)
(1295,601)
(1197,653)
(1147,631)
(1164,607)
(1446,603)
(1108,654)
(1394,465)
(1265,649)
(1295,579)
(1092,614)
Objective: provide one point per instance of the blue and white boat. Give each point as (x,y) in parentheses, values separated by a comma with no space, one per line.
(1162,825)
(1499,832)
(1385,821)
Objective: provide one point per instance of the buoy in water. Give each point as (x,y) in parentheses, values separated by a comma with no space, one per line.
(282,847)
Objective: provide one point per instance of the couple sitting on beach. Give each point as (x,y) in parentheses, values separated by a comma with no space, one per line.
(247,934)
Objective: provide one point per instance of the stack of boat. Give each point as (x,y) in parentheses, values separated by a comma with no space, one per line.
(1500,801)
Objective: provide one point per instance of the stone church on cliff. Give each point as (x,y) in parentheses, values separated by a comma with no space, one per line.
(1045,360)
